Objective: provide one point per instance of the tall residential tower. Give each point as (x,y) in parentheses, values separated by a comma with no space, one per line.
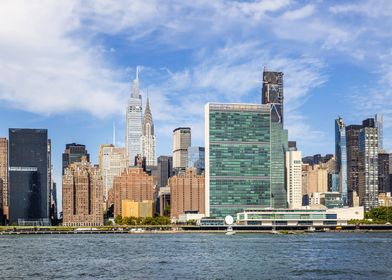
(341,156)
(368,165)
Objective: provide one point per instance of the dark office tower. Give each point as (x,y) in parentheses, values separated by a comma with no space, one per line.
(74,153)
(379,120)
(165,170)
(293,145)
(53,207)
(352,137)
(272,93)
(383,173)
(29,188)
(368,165)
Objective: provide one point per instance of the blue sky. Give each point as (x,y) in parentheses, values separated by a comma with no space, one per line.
(68,65)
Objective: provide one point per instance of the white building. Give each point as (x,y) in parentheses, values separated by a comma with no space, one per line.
(299,217)
(134,121)
(147,140)
(294,179)
(112,161)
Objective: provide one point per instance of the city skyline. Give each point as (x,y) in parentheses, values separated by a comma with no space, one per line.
(181,75)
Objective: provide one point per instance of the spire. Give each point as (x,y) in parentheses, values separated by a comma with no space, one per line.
(148,110)
(135,90)
(148,119)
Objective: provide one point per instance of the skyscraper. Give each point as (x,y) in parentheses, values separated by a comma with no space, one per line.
(196,158)
(379,120)
(29,189)
(73,153)
(134,121)
(4,174)
(82,195)
(352,142)
(272,93)
(165,170)
(147,140)
(181,142)
(112,162)
(294,178)
(238,159)
(384,184)
(368,165)
(341,157)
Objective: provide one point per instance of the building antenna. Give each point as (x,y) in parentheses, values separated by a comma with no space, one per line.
(137,73)
(114,133)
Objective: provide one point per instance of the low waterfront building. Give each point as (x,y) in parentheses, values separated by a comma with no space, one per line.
(299,217)
(184,218)
(136,209)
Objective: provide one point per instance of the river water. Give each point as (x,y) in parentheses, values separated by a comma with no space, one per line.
(197,256)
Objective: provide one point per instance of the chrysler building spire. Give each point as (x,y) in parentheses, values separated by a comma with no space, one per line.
(147,140)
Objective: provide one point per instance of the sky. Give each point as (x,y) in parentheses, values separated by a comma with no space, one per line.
(68,65)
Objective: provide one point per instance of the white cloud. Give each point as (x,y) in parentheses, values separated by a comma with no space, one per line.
(300,13)
(44,70)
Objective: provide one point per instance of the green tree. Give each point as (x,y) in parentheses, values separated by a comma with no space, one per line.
(166,211)
(380,215)
(118,220)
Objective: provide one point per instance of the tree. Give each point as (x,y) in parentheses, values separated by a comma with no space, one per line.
(166,211)
(118,220)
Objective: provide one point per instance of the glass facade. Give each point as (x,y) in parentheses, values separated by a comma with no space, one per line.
(272,93)
(341,157)
(279,144)
(238,151)
(368,165)
(196,158)
(286,217)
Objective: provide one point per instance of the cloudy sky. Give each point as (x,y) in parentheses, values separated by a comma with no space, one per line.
(68,65)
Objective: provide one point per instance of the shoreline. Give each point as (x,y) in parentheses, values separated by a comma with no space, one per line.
(201,231)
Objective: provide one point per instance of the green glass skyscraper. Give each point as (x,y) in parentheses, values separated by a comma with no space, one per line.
(238,158)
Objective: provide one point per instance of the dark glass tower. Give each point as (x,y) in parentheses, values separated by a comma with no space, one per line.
(341,157)
(74,153)
(272,93)
(352,142)
(383,173)
(29,190)
(165,170)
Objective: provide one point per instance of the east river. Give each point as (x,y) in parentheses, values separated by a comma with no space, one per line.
(197,256)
